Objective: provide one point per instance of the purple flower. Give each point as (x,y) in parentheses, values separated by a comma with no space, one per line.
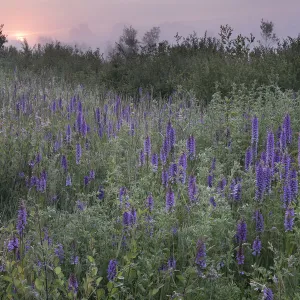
(289,219)
(201,254)
(294,183)
(59,252)
(84,128)
(172,263)
(256,246)
(74,260)
(254,137)
(80,205)
(210,179)
(147,146)
(270,149)
(182,168)
(268,294)
(191,146)
(101,193)
(149,202)
(173,172)
(122,193)
(287,194)
(129,218)
(248,159)
(154,162)
(141,158)
(64,163)
(170,200)
(22,218)
(92,175)
(241,231)
(73,284)
(78,153)
(287,128)
(260,182)
(282,141)
(164,178)
(171,134)
(212,201)
(68,180)
(192,189)
(259,221)
(299,150)
(13,244)
(112,269)
(86,180)
(240,257)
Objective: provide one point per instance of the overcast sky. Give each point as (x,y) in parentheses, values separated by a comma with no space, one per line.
(98,22)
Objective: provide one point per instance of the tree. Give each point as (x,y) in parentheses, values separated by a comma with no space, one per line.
(150,39)
(269,37)
(3,38)
(128,42)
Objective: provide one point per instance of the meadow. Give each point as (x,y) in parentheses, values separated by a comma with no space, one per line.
(107,196)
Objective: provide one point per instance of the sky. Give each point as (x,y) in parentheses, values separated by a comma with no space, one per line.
(99,23)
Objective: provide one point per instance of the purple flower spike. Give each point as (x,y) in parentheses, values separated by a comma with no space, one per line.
(192,189)
(170,200)
(241,231)
(78,153)
(268,294)
(259,221)
(191,146)
(256,246)
(73,284)
(248,159)
(112,270)
(154,162)
(240,257)
(147,146)
(201,254)
(289,219)
(22,219)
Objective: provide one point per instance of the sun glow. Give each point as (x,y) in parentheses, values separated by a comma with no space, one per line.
(20,36)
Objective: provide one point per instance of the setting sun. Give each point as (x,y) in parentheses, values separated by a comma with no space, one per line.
(20,36)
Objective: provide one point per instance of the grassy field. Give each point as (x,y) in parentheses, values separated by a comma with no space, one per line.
(110,197)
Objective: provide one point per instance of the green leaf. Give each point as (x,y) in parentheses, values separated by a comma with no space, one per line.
(99,280)
(91,259)
(38,284)
(57,270)
(100,293)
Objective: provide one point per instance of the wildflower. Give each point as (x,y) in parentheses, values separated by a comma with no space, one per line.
(59,252)
(192,189)
(289,219)
(240,257)
(287,128)
(92,175)
(191,146)
(268,294)
(201,254)
(287,194)
(294,183)
(73,284)
(182,167)
(68,180)
(154,162)
(78,153)
(259,221)
(80,205)
(256,246)
(282,141)
(170,200)
(210,179)
(164,178)
(299,150)
(22,218)
(74,260)
(101,193)
(112,270)
(172,263)
(149,202)
(270,149)
(173,172)
(141,158)
(212,201)
(254,137)
(147,146)
(86,180)
(122,193)
(13,244)
(241,231)
(64,163)
(260,182)
(171,134)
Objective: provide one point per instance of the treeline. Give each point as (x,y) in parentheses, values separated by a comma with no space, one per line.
(202,64)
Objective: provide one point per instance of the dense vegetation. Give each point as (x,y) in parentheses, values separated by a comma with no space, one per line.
(110,196)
